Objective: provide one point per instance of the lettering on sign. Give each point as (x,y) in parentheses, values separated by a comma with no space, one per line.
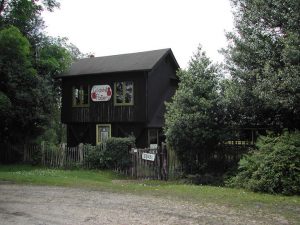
(148,156)
(153,146)
(101,93)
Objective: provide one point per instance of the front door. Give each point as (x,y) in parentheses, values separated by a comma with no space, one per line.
(103,132)
(154,136)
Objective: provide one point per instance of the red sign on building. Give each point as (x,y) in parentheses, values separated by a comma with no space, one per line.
(101,93)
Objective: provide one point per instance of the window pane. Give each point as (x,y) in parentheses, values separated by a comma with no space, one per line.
(76,96)
(104,135)
(128,97)
(119,92)
(128,91)
(80,95)
(124,92)
(153,136)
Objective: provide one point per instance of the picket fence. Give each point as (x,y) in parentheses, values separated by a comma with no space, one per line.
(164,165)
(62,156)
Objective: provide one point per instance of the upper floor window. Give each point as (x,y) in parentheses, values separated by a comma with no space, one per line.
(81,95)
(123,93)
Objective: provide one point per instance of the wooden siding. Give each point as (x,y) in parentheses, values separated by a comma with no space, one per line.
(86,132)
(104,112)
(161,87)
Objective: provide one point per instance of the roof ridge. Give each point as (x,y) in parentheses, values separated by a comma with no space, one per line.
(137,61)
(130,53)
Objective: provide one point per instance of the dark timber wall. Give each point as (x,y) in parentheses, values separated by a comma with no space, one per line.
(86,132)
(162,84)
(104,112)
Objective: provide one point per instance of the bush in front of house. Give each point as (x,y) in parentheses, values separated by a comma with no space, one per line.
(116,154)
(93,156)
(113,154)
(273,168)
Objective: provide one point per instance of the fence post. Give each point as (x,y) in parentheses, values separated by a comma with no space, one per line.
(159,159)
(25,153)
(62,158)
(80,148)
(43,153)
(165,161)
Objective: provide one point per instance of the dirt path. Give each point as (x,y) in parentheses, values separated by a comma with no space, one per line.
(43,205)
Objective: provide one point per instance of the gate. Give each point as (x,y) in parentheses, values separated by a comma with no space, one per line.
(148,163)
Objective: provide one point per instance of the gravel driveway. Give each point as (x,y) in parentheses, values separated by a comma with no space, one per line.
(24,205)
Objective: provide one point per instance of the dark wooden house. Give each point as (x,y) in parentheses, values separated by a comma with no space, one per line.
(118,96)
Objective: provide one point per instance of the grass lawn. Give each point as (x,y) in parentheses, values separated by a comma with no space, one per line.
(288,207)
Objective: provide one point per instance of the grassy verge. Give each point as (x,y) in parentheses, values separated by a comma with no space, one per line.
(289,207)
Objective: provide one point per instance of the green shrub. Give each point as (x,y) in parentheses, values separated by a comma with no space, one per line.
(273,168)
(93,156)
(116,154)
(36,156)
(113,154)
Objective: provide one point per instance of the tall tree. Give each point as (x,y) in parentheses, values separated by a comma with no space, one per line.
(263,58)
(23,93)
(29,61)
(193,119)
(26,16)
(54,57)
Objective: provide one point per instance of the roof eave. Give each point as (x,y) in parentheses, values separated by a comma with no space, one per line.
(162,58)
(99,73)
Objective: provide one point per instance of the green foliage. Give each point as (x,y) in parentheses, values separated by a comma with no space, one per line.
(26,16)
(117,153)
(113,154)
(23,88)
(29,62)
(93,157)
(55,56)
(273,168)
(5,105)
(194,118)
(263,58)
(36,157)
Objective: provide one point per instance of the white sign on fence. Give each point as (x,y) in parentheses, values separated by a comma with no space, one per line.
(148,156)
(153,146)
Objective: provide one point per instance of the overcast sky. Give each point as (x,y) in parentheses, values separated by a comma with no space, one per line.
(109,27)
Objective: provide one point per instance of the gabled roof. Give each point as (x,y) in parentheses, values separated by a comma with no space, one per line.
(140,61)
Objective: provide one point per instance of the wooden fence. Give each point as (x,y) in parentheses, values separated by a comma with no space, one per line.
(162,166)
(62,156)
(159,163)
(10,153)
(164,163)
